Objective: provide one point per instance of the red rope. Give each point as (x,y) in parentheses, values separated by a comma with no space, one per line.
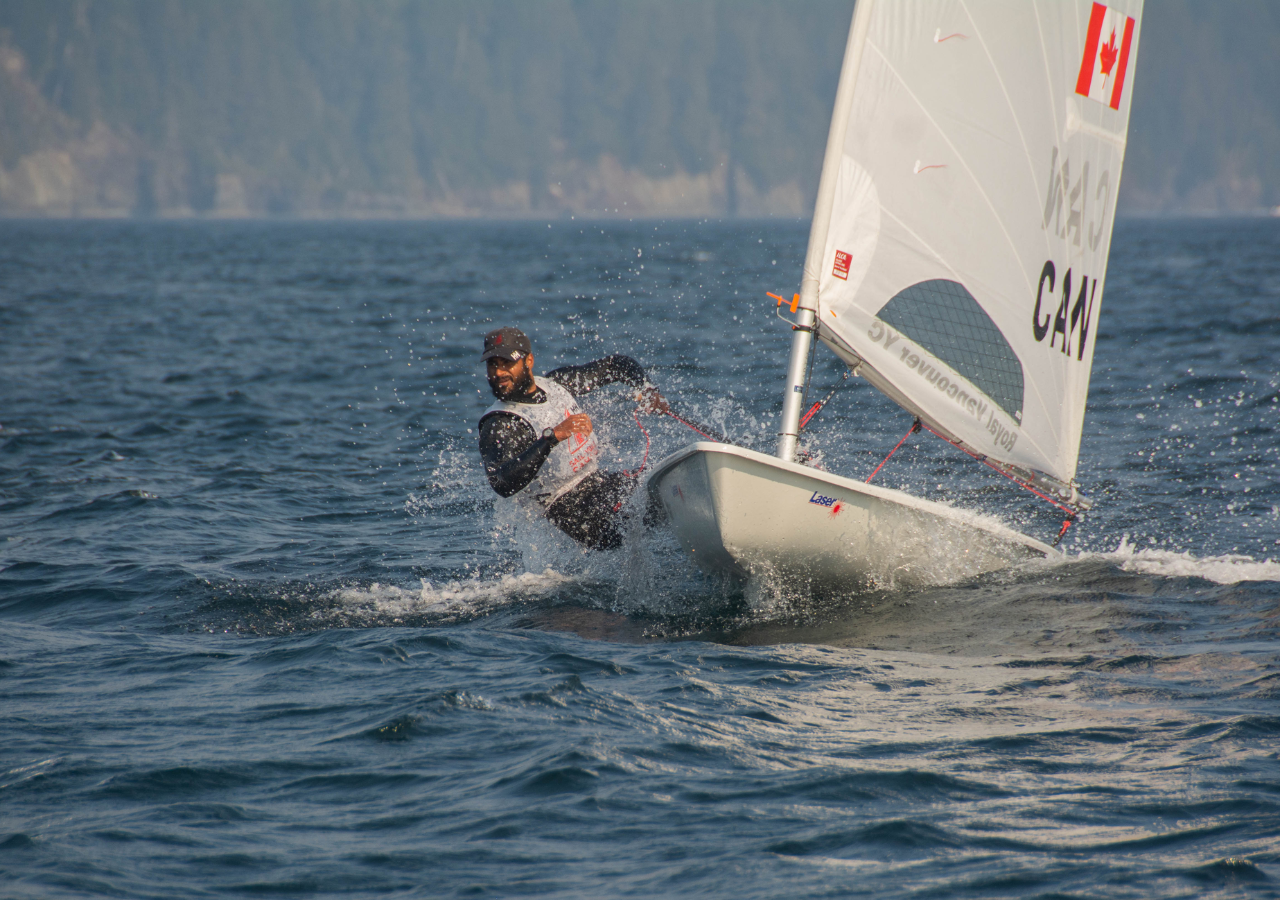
(914,428)
(687,424)
(1071,513)
(982,459)
(1066,523)
(645,461)
(813,410)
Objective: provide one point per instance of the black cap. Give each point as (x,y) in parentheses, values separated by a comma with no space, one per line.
(509,343)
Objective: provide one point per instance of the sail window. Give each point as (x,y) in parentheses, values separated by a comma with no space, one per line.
(945,319)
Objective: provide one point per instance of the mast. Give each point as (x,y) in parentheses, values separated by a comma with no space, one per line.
(802,331)
(801,339)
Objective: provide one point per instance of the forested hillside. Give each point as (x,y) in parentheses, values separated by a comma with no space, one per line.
(531,107)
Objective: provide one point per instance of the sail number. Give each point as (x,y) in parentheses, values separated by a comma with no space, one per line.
(1070,315)
(1068,210)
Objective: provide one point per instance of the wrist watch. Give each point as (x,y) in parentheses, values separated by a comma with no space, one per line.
(550,433)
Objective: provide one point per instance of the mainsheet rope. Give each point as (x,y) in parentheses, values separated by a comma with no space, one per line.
(645,461)
(1071,513)
(720,439)
(1016,480)
(914,428)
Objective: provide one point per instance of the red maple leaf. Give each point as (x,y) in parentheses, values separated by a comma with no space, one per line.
(1107,54)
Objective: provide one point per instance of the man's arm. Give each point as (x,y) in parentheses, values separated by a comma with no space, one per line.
(511,452)
(579,380)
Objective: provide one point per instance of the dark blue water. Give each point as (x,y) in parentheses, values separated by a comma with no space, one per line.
(264,630)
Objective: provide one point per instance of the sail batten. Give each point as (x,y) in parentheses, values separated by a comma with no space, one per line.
(961,233)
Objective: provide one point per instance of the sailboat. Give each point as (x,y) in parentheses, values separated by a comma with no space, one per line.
(957,261)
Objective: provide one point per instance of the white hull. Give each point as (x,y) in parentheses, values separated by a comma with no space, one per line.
(745,514)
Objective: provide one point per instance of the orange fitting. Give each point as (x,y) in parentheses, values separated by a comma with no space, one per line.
(795,301)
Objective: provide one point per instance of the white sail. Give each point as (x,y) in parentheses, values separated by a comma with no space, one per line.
(960,240)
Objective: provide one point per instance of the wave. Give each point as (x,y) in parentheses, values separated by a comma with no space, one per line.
(1227,569)
(452,600)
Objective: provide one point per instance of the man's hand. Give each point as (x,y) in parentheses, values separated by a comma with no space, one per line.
(650,401)
(579,424)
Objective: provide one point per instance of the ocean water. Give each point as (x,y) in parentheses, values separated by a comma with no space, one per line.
(264,630)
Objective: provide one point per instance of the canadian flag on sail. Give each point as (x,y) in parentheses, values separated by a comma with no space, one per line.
(1106,56)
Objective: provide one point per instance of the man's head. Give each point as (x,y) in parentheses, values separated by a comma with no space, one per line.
(508,357)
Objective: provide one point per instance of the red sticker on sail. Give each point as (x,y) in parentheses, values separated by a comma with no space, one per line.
(843,261)
(1106,56)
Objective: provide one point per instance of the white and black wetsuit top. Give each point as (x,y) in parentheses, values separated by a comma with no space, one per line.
(511,445)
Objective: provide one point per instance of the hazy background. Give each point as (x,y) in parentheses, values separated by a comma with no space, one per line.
(349,108)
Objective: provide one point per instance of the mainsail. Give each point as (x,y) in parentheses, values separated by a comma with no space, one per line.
(959,247)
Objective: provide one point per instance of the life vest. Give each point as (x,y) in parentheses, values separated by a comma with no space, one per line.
(571,460)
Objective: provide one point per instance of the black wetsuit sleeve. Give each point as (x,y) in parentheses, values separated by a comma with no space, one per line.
(511,452)
(579,380)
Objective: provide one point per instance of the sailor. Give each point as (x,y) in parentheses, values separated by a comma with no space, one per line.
(537,444)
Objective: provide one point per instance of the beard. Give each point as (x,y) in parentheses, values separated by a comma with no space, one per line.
(521,386)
